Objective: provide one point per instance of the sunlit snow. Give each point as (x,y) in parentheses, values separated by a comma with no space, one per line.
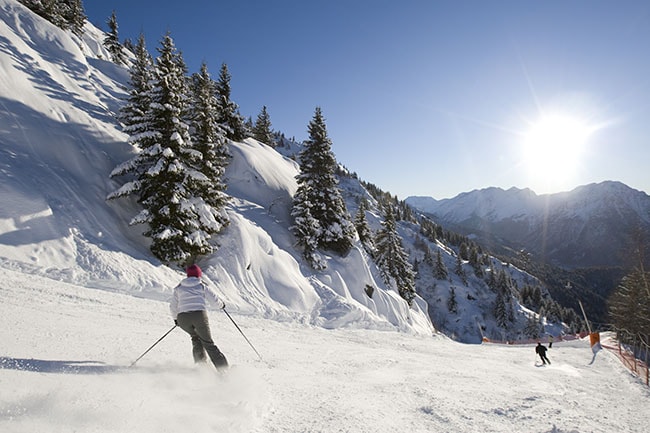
(81,296)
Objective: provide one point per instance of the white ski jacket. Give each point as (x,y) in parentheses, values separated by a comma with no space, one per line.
(192,295)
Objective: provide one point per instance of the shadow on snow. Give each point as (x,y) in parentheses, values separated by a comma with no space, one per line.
(57,366)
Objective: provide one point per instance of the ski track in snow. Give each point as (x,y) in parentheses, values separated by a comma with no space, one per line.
(66,352)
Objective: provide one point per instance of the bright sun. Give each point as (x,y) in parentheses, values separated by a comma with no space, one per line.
(553,148)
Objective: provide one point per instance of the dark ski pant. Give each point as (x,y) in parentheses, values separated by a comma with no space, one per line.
(544,358)
(196,324)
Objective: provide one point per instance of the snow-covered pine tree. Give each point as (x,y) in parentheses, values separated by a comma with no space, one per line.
(209,139)
(228,111)
(137,122)
(128,45)
(318,190)
(392,259)
(66,14)
(170,205)
(363,229)
(74,14)
(112,41)
(262,129)
(180,221)
(133,114)
(306,229)
(532,328)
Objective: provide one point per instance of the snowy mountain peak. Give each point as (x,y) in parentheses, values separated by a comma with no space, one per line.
(489,203)
(576,228)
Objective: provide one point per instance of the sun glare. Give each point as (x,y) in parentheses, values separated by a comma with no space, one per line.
(553,148)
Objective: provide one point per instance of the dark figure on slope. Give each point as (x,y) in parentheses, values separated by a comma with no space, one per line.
(188,307)
(541,351)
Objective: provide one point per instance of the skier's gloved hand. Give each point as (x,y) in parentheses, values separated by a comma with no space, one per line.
(223,305)
(175,322)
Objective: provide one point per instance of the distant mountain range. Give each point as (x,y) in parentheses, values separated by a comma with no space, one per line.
(590,226)
(579,243)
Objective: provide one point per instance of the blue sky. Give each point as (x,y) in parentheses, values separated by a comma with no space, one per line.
(432,98)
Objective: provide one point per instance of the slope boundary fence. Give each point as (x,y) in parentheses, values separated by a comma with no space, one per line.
(637,367)
(542,340)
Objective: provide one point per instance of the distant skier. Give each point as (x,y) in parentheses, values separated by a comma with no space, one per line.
(550,341)
(541,351)
(188,308)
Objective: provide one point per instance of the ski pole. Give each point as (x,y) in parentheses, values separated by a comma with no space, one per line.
(153,345)
(242,333)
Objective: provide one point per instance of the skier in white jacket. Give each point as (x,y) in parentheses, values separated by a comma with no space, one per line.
(188,307)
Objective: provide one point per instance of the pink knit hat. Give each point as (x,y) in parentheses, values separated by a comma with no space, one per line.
(194,271)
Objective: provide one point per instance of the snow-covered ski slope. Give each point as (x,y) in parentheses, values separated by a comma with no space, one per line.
(66,349)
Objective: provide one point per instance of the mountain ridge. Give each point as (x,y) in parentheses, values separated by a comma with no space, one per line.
(577,228)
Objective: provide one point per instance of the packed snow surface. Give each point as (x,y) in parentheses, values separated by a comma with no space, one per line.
(66,351)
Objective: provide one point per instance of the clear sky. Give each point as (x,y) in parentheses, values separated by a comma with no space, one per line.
(430,97)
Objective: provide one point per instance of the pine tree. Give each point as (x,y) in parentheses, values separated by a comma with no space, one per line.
(306,229)
(501,311)
(491,280)
(228,111)
(318,190)
(532,329)
(428,257)
(209,139)
(166,195)
(510,310)
(629,304)
(65,14)
(458,270)
(452,303)
(363,229)
(112,41)
(248,127)
(169,181)
(74,14)
(475,262)
(262,130)
(440,270)
(392,259)
(463,251)
(502,282)
(134,114)
(128,45)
